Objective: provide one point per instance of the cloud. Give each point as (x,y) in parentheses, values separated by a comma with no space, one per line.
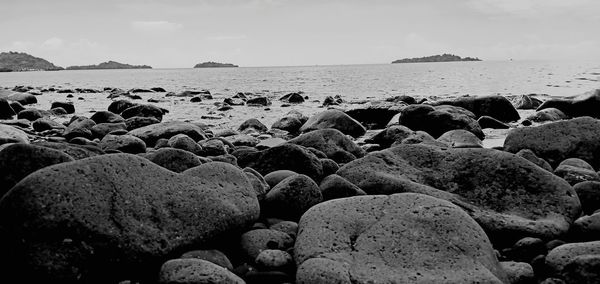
(53,43)
(155,26)
(227,37)
(531,8)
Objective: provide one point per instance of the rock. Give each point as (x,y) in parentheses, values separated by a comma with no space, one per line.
(44,123)
(329,166)
(253,123)
(196,271)
(289,124)
(19,160)
(288,227)
(33,114)
(6,111)
(158,90)
(275,177)
(120,213)
(332,142)
(9,134)
(22,98)
(291,197)
(334,186)
(196,99)
(102,129)
(184,142)
(234,101)
(188,93)
(144,111)
(78,152)
(139,122)
(258,101)
(518,272)
(587,227)
(333,101)
(589,194)
(172,159)
(213,147)
(402,238)
(557,141)
(270,143)
(525,249)
(497,107)
(510,197)
(261,187)
(151,133)
(530,156)
(119,106)
(586,104)
(526,102)
(583,269)
(334,119)
(106,117)
(254,242)
(558,258)
(394,133)
(16,106)
(460,138)
(292,98)
(439,120)
(274,259)
(242,140)
(490,122)
(230,159)
(375,115)
(68,106)
(285,157)
(79,127)
(575,170)
(124,143)
(58,111)
(212,255)
(548,114)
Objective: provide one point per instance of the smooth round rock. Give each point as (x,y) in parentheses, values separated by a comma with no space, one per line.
(290,198)
(214,256)
(196,271)
(124,143)
(274,259)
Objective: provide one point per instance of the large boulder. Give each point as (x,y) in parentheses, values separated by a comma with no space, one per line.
(587,104)
(547,114)
(334,119)
(78,152)
(509,196)
(375,115)
(559,258)
(497,107)
(526,102)
(151,133)
(144,111)
(6,111)
(9,134)
(290,198)
(176,160)
(285,157)
(557,141)
(439,120)
(19,160)
(402,238)
(196,271)
(332,142)
(114,217)
(22,98)
(124,143)
(79,127)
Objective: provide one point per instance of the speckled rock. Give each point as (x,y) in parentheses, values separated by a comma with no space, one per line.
(151,133)
(78,152)
(530,156)
(176,160)
(510,197)
(589,194)
(139,122)
(252,123)
(124,143)
(184,142)
(73,222)
(9,134)
(285,157)
(79,127)
(460,138)
(583,269)
(497,107)
(558,258)
(102,129)
(143,111)
(275,177)
(196,271)
(402,238)
(290,198)
(394,133)
(106,117)
(575,170)
(334,186)
(547,115)
(332,142)
(518,272)
(439,120)
(254,242)
(214,256)
(334,119)
(587,228)
(274,259)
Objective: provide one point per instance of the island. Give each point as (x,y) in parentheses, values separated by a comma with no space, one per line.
(211,64)
(19,61)
(108,65)
(436,58)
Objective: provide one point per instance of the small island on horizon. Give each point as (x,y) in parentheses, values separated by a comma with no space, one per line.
(436,58)
(20,61)
(211,64)
(108,65)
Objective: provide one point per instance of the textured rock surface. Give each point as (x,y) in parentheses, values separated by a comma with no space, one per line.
(151,133)
(9,134)
(402,238)
(332,142)
(497,107)
(334,119)
(439,120)
(196,271)
(114,213)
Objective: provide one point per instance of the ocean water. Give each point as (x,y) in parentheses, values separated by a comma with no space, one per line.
(355,83)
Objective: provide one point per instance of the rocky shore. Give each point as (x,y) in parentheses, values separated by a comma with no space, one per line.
(403,190)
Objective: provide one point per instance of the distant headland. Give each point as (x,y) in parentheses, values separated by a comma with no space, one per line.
(211,64)
(18,61)
(109,65)
(436,58)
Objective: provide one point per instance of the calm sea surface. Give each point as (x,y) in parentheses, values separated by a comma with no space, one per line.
(352,82)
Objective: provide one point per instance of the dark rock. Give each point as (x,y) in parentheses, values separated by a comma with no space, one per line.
(22,98)
(139,122)
(68,106)
(196,99)
(102,129)
(375,115)
(329,166)
(85,141)
(490,122)
(75,151)
(518,272)
(497,107)
(285,157)
(333,101)
(334,119)
(255,241)
(530,156)
(557,141)
(194,270)
(151,133)
(120,106)
(124,143)
(510,197)
(234,101)
(227,158)
(270,143)
(144,111)
(80,127)
(587,104)
(559,258)
(589,194)
(117,213)
(525,249)
(394,133)
(43,124)
(213,147)
(6,111)
(184,142)
(288,227)
(460,138)
(291,197)
(583,269)
(333,143)
(212,255)
(19,160)
(274,260)
(334,186)
(158,90)
(259,101)
(526,102)
(172,159)
(33,114)
(547,114)
(587,228)
(58,111)
(575,170)
(402,238)
(258,183)
(289,124)
(106,117)
(16,106)
(292,98)
(439,120)
(275,177)
(402,98)
(253,123)
(242,140)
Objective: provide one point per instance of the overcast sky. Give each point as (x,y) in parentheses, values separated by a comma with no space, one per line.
(181,33)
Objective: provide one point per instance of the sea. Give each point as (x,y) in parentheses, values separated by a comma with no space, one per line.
(356,84)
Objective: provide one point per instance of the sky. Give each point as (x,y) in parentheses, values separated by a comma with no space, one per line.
(181,33)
